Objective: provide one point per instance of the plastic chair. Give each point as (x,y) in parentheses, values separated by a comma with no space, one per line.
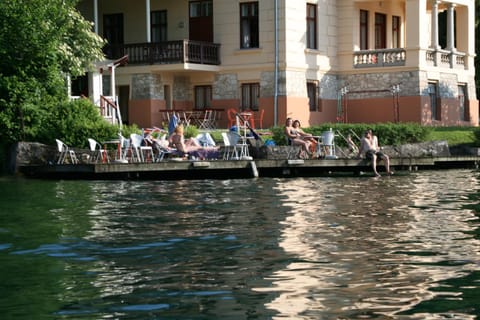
(232,117)
(64,151)
(239,146)
(259,120)
(125,147)
(97,153)
(140,153)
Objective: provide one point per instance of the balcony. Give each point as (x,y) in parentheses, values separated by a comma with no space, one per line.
(379,58)
(447,59)
(170,52)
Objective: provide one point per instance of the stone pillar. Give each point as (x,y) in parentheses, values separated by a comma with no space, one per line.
(434,32)
(451,27)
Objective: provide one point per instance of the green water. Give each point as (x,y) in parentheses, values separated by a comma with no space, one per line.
(405,247)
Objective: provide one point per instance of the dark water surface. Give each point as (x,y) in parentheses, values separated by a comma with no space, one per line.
(406,247)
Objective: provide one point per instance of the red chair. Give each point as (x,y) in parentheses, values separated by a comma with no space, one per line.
(259,120)
(231,114)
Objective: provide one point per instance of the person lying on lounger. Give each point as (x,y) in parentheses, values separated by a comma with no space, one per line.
(190,147)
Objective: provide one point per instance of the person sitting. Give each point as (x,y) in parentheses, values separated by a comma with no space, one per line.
(306,136)
(295,139)
(369,147)
(190,147)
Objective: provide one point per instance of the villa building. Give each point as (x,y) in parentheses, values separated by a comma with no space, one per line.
(314,60)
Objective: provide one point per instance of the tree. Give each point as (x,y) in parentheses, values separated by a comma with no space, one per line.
(40,42)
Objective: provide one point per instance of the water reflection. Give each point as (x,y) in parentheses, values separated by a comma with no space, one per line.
(371,247)
(322,248)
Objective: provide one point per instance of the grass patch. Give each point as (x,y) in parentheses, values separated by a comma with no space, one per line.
(453,135)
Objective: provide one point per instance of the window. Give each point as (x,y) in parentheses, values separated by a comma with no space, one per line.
(159,26)
(380,31)
(203,97)
(396,32)
(250,95)
(201,9)
(463,112)
(363,30)
(311,26)
(312,91)
(113,33)
(249,25)
(432,92)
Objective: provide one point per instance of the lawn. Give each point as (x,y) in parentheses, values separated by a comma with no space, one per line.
(453,135)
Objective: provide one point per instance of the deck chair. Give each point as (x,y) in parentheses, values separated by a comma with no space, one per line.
(63,152)
(162,149)
(97,153)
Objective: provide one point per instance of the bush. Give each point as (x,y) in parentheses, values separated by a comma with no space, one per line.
(388,133)
(74,122)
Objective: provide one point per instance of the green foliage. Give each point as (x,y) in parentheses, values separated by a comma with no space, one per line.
(40,42)
(455,135)
(388,133)
(190,132)
(74,122)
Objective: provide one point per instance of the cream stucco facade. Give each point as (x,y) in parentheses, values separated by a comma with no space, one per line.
(349,60)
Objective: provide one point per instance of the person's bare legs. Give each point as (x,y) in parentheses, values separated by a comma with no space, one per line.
(374,165)
(387,164)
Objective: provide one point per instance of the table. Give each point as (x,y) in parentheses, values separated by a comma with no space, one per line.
(119,150)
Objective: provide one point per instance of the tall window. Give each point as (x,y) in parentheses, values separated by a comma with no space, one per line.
(159,26)
(249,25)
(203,97)
(312,26)
(432,92)
(463,113)
(380,31)
(363,30)
(312,91)
(250,95)
(396,32)
(113,33)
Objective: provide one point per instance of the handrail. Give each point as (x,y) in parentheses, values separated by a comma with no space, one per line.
(110,111)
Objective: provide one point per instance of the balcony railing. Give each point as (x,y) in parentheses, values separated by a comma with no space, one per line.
(379,58)
(170,52)
(444,58)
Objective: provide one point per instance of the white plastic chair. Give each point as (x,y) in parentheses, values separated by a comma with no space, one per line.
(97,153)
(140,153)
(239,146)
(64,151)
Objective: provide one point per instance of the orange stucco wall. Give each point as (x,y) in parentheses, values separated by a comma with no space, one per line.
(147,113)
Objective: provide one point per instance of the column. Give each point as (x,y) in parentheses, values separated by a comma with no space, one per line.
(451,27)
(95,16)
(434,30)
(147,19)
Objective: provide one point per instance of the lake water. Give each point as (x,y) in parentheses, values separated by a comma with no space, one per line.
(405,247)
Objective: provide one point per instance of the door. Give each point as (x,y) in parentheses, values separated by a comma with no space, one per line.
(123,101)
(201,20)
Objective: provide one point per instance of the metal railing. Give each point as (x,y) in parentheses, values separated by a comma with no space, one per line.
(169,52)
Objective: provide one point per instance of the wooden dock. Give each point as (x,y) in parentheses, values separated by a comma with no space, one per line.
(230,169)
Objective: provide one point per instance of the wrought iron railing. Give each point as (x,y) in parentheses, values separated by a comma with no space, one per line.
(169,52)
